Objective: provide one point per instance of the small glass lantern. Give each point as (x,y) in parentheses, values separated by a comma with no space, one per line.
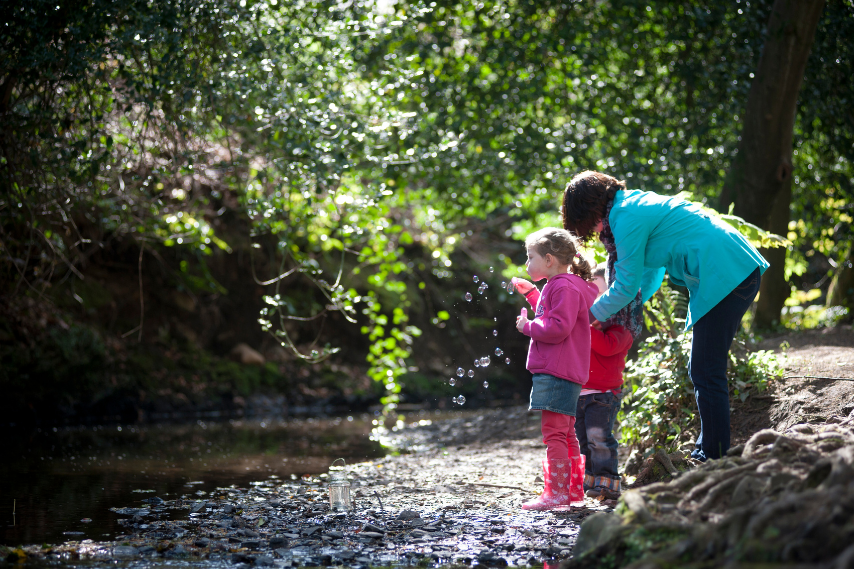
(339,487)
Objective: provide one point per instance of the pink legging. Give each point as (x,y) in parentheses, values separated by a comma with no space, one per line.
(559,436)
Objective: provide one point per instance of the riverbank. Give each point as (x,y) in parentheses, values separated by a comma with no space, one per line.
(453,497)
(783,496)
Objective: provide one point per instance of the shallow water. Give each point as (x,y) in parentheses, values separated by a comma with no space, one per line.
(57,486)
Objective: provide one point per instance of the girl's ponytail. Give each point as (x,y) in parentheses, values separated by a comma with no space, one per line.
(582,267)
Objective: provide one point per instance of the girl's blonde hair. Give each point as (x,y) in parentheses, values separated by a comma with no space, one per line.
(563,246)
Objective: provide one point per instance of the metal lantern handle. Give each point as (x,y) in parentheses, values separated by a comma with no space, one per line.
(343,464)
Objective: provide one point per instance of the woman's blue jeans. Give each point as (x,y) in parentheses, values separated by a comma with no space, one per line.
(713,336)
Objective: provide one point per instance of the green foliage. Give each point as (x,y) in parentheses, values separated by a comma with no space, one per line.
(812,316)
(658,408)
(363,140)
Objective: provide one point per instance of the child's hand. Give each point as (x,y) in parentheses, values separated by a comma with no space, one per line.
(522,319)
(596,324)
(522,286)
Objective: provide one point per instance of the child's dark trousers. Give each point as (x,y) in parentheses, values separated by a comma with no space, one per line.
(594,427)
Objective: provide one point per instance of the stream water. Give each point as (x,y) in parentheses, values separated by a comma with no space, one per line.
(59,485)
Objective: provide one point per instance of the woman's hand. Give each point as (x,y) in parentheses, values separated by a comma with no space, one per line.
(522,319)
(522,286)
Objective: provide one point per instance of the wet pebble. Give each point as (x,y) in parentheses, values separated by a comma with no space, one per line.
(124,551)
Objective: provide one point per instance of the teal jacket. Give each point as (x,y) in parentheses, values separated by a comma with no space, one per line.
(655,234)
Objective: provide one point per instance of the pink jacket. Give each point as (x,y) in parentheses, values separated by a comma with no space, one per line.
(560,332)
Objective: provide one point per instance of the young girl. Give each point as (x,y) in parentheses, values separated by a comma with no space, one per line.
(558,356)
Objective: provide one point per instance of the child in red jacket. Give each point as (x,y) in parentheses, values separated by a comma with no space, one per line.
(599,402)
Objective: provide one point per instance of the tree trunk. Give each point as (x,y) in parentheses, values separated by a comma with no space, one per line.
(759,180)
(763,165)
(774,289)
(841,291)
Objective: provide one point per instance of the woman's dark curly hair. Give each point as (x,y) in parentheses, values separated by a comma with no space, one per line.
(584,201)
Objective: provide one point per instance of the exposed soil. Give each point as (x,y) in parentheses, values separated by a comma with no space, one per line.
(827,353)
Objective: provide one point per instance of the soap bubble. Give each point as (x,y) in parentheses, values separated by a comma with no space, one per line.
(482,287)
(470,373)
(484,361)
(491,269)
(459,400)
(486,384)
(476,279)
(453,382)
(461,372)
(507,360)
(468,296)
(495,332)
(498,351)
(503,284)
(477,363)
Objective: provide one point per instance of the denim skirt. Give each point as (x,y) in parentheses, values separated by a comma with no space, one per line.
(554,394)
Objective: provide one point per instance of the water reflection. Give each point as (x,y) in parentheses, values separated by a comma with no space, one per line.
(52,481)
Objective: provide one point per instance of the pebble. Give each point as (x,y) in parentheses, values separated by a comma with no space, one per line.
(124,551)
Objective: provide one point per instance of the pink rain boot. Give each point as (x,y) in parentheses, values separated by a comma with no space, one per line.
(576,480)
(557,480)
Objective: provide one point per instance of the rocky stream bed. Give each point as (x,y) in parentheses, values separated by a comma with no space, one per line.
(783,497)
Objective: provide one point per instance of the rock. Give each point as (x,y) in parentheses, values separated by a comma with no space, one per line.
(252,544)
(202,542)
(244,354)
(241,558)
(147,550)
(198,507)
(247,533)
(372,528)
(371,534)
(263,560)
(278,541)
(124,551)
(596,530)
(407,515)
